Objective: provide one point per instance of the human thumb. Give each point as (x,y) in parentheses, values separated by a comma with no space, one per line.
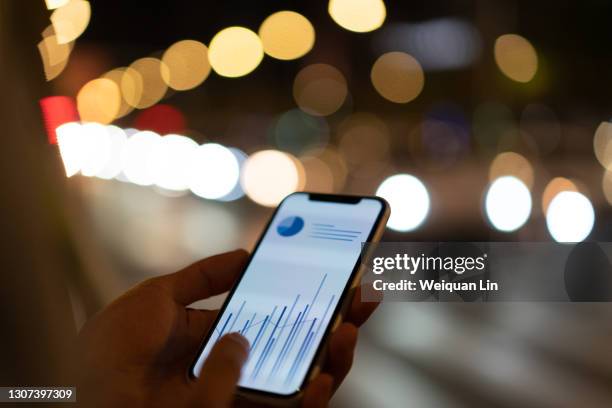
(221,371)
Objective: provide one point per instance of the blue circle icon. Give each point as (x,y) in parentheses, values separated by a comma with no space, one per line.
(290,226)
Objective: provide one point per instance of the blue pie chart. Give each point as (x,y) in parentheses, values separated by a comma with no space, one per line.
(290,226)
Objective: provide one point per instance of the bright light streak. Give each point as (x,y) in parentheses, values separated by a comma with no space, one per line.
(508,203)
(268,176)
(570,217)
(213,171)
(170,162)
(136,157)
(360,16)
(409,201)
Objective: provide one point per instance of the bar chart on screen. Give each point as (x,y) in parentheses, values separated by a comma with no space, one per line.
(283,339)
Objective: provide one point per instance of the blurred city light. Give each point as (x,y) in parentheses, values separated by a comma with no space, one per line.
(57,110)
(364,138)
(99,100)
(512,164)
(53,4)
(409,201)
(214,171)
(295,131)
(358,15)
(235,51)
(185,65)
(161,118)
(319,89)
(70,20)
(398,77)
(54,55)
(269,176)
(237,191)
(70,142)
(570,217)
(507,203)
(606,185)
(170,162)
(117,139)
(602,145)
(287,35)
(116,76)
(516,57)
(334,161)
(136,157)
(96,148)
(439,44)
(142,84)
(319,177)
(553,188)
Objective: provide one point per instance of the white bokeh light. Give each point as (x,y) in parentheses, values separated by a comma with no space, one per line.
(213,171)
(570,217)
(117,139)
(409,201)
(508,203)
(170,162)
(237,192)
(70,142)
(268,176)
(136,157)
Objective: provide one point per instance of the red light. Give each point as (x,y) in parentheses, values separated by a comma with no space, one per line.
(57,110)
(162,119)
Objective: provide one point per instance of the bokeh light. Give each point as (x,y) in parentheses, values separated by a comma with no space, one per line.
(136,157)
(319,89)
(541,125)
(269,176)
(117,139)
(602,145)
(142,84)
(99,100)
(96,150)
(512,164)
(397,77)
(70,20)
(169,162)
(235,51)
(516,57)
(570,217)
(364,138)
(334,161)
(507,203)
(116,75)
(606,185)
(553,188)
(295,131)
(185,65)
(54,55)
(287,35)
(358,15)
(53,4)
(237,191)
(214,171)
(70,141)
(161,118)
(409,201)
(319,177)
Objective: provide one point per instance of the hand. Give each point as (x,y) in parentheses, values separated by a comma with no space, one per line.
(137,351)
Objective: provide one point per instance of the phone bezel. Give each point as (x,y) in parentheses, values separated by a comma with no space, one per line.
(344,199)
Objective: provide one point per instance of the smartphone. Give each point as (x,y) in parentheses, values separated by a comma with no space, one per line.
(294,290)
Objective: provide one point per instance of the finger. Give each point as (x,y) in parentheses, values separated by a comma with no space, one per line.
(341,351)
(197,325)
(221,371)
(205,278)
(318,392)
(360,310)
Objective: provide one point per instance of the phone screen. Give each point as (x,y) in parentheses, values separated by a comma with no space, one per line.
(289,292)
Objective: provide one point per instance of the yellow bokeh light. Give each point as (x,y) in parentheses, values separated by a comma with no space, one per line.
(398,77)
(54,55)
(287,35)
(53,4)
(554,187)
(268,176)
(142,85)
(116,75)
(99,101)
(516,57)
(319,89)
(606,184)
(319,176)
(364,139)
(602,144)
(185,65)
(235,51)
(512,164)
(70,20)
(360,16)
